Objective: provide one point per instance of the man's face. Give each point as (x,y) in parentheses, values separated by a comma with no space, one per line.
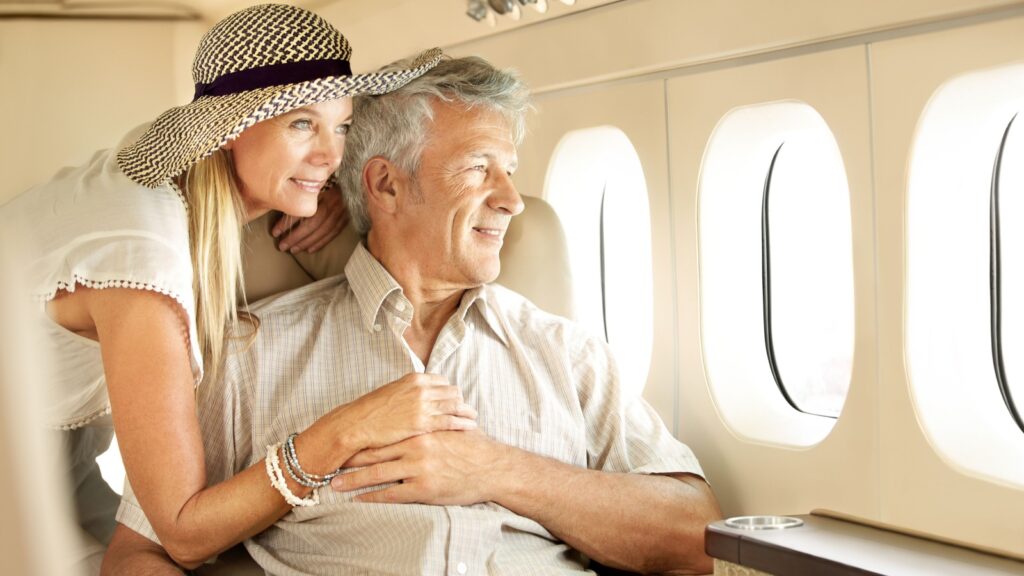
(462,198)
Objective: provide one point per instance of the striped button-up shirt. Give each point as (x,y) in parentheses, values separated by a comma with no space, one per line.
(537,381)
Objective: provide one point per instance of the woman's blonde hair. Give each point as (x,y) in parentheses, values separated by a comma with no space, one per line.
(216,217)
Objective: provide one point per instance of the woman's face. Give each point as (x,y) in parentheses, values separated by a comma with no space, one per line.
(283,163)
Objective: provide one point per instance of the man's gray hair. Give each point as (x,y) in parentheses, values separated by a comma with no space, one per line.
(394,125)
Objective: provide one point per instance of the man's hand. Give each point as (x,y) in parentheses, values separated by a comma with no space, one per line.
(313,233)
(414,404)
(443,468)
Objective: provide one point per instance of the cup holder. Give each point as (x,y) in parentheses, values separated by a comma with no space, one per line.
(763,522)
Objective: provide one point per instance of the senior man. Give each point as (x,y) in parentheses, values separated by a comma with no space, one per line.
(561,468)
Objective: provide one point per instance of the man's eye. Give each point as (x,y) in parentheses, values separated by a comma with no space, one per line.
(480,168)
(302,124)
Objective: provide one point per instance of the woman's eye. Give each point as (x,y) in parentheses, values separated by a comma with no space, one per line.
(343,129)
(302,124)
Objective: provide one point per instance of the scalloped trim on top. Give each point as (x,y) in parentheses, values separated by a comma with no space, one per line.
(80,423)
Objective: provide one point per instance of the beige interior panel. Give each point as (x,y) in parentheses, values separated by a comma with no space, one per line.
(841,472)
(639,111)
(633,37)
(918,488)
(73,87)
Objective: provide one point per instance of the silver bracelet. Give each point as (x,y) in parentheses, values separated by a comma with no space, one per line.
(291,464)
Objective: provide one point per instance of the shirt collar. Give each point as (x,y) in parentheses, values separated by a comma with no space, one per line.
(371,283)
(373,286)
(483,299)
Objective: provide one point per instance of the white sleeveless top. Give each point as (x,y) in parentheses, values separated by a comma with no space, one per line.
(92,226)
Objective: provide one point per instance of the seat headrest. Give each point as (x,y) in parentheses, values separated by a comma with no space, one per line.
(534,260)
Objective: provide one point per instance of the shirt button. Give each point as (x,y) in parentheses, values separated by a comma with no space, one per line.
(461,568)
(377,328)
(400,306)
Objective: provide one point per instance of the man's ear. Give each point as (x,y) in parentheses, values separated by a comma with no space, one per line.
(381,179)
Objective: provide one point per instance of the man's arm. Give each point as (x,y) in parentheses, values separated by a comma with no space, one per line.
(131,553)
(638,522)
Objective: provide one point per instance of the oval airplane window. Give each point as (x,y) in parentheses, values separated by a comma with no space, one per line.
(596,185)
(965,273)
(776,265)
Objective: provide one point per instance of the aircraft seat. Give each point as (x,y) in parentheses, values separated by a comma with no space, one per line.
(534,260)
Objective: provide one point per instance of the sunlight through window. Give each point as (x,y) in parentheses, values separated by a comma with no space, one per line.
(776,259)
(596,185)
(965,296)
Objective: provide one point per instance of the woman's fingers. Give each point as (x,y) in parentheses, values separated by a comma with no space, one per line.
(298,233)
(396,494)
(317,235)
(455,407)
(449,422)
(371,475)
(327,237)
(284,224)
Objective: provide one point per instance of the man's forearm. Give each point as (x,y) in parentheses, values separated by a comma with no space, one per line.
(645,523)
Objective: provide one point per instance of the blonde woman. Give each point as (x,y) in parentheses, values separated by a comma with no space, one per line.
(136,263)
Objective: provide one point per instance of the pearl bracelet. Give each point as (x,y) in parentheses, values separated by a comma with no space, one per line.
(278,481)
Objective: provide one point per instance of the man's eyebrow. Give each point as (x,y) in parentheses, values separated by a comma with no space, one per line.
(493,158)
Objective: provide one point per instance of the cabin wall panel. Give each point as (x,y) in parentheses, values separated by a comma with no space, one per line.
(633,37)
(73,87)
(919,489)
(753,477)
(639,111)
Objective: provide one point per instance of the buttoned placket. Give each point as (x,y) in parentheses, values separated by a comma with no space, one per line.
(463,541)
(464,544)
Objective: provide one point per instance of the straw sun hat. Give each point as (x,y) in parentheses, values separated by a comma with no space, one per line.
(258,63)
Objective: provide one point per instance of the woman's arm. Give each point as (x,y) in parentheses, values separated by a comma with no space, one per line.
(144,342)
(131,553)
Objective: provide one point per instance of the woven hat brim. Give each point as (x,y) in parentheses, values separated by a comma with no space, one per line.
(183,135)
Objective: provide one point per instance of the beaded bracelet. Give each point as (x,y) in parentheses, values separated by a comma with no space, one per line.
(291,464)
(277,480)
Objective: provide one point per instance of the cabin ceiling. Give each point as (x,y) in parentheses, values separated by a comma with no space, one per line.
(213,10)
(198,10)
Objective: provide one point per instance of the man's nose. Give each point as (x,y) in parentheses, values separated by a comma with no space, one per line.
(506,198)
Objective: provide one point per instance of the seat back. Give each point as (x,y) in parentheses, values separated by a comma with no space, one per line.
(534,260)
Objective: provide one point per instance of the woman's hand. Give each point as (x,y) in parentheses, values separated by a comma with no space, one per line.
(313,233)
(412,405)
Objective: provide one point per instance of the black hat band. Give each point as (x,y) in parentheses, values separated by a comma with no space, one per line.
(272,75)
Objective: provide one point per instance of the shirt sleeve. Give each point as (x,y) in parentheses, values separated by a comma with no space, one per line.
(225,416)
(624,434)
